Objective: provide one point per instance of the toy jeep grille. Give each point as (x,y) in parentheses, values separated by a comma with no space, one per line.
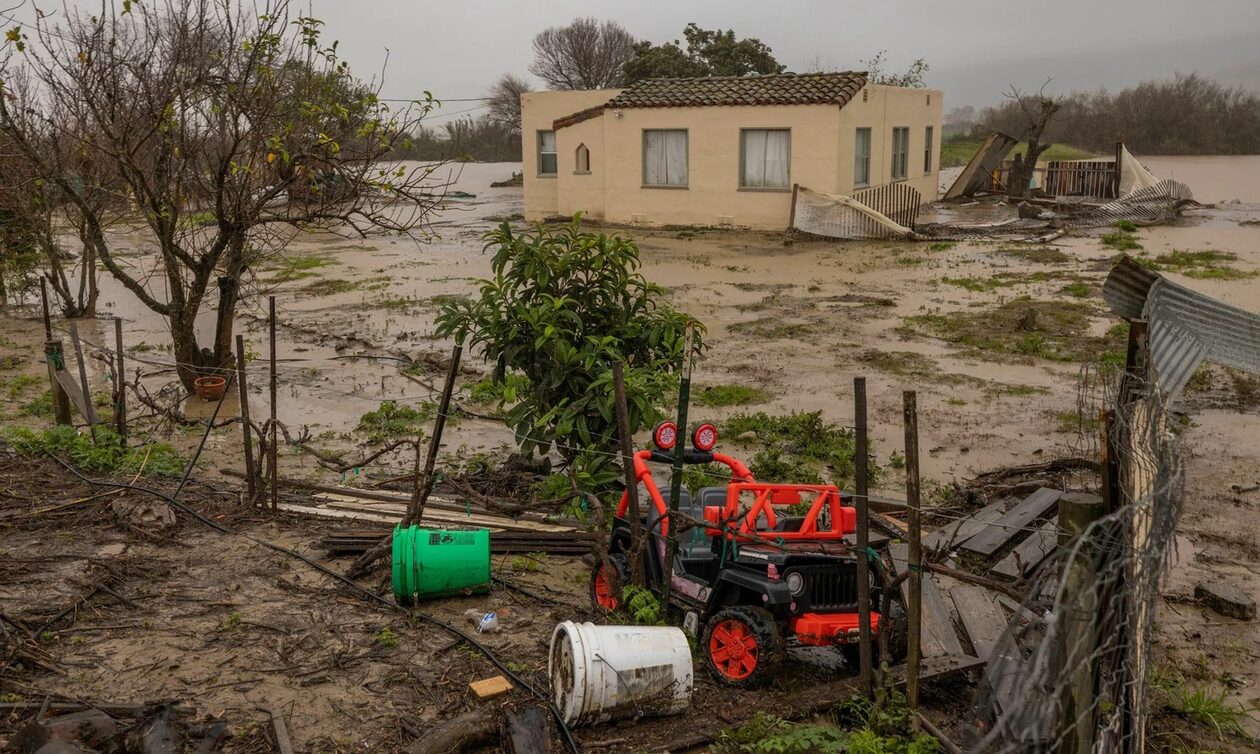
(830,588)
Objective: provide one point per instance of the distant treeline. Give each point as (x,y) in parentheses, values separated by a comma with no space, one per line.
(1184,115)
(480,139)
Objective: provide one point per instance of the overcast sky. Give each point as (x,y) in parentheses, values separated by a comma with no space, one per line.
(456,48)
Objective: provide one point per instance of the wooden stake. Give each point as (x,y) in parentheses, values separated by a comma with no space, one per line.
(675,480)
(89,411)
(861,485)
(915,563)
(120,400)
(55,357)
(627,465)
(1079,638)
(420,495)
(251,478)
(272,470)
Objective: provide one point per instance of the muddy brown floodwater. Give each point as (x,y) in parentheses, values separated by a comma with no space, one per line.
(799,321)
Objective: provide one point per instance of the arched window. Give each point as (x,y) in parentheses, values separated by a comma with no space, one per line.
(582,159)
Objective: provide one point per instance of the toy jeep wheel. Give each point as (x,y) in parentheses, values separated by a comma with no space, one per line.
(605,586)
(742,645)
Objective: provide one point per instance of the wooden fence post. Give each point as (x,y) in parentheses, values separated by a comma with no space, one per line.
(89,410)
(120,399)
(272,471)
(861,485)
(915,560)
(251,479)
(1078,640)
(54,355)
(675,479)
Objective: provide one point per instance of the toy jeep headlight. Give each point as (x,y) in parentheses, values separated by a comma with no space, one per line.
(795,582)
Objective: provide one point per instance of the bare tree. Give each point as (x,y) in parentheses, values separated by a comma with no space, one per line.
(228,128)
(915,75)
(586,54)
(504,99)
(1037,110)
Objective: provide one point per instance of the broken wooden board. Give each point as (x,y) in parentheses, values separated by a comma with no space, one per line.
(982,619)
(961,531)
(488,688)
(1013,523)
(343,502)
(1029,554)
(941,666)
(937,636)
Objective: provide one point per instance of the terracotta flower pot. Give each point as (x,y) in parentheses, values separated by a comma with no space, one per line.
(210,388)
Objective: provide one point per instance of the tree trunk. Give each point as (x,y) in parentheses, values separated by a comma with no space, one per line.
(229,294)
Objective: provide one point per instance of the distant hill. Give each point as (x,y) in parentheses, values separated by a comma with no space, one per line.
(1233,60)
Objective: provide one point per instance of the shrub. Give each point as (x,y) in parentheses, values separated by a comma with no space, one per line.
(107,455)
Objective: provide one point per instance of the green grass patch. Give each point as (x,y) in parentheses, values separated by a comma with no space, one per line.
(108,455)
(330,287)
(797,447)
(956,151)
(903,363)
(717,396)
(1078,290)
(1068,422)
(394,421)
(1120,240)
(860,727)
(39,406)
(1209,264)
(19,384)
(941,246)
(1128,226)
(1053,330)
(296,268)
(1204,706)
(487,391)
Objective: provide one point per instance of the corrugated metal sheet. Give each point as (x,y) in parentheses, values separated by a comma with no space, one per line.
(1185,327)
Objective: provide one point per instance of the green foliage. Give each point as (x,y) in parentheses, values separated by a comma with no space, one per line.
(717,396)
(385,638)
(862,728)
(941,246)
(708,53)
(1208,264)
(798,447)
(1201,705)
(231,622)
(488,391)
(1078,290)
(562,306)
(107,455)
(913,77)
(1128,226)
(41,405)
(19,384)
(642,605)
(1054,330)
(698,476)
(1120,240)
(393,421)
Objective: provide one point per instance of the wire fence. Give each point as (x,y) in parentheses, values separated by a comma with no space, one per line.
(1070,675)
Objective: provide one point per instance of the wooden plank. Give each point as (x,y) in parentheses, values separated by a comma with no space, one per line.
(938,636)
(981,618)
(963,530)
(1030,553)
(938,667)
(438,516)
(1011,525)
(488,688)
(283,744)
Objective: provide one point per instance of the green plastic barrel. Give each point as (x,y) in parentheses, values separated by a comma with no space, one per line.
(439,562)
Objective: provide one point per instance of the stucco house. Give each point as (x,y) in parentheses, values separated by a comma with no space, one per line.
(723,150)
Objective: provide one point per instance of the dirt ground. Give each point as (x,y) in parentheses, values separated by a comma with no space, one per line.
(797,320)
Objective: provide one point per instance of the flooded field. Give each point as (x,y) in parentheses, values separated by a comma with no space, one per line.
(796,320)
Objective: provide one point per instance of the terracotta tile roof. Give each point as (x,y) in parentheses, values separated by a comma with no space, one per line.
(775,89)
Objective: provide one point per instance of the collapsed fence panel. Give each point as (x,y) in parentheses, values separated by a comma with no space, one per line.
(875,213)
(979,170)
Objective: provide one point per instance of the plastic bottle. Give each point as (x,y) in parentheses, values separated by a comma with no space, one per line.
(485,623)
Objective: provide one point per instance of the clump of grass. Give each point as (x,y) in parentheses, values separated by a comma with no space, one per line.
(385,638)
(489,392)
(1201,705)
(717,396)
(393,421)
(39,406)
(1128,226)
(1037,254)
(530,562)
(798,447)
(903,363)
(296,268)
(1246,388)
(330,287)
(977,284)
(108,455)
(19,384)
(1078,290)
(1053,330)
(1120,240)
(774,328)
(1068,422)
(941,246)
(1209,264)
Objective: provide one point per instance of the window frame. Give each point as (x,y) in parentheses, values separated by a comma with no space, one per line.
(867,157)
(904,154)
(929,132)
(555,152)
(577,162)
(643,159)
(742,185)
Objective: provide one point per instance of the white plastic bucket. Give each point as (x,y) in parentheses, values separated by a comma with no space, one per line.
(603,672)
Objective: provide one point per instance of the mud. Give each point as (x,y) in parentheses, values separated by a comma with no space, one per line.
(798,320)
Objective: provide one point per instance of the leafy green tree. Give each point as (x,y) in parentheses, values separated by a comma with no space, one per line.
(915,75)
(562,306)
(709,53)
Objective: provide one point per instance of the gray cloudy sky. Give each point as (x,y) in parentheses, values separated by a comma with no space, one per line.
(456,48)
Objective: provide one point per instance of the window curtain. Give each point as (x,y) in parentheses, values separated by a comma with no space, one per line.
(766,161)
(665,158)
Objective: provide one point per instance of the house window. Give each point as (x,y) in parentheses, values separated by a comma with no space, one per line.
(546,152)
(582,159)
(766,156)
(927,149)
(900,152)
(862,158)
(665,158)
